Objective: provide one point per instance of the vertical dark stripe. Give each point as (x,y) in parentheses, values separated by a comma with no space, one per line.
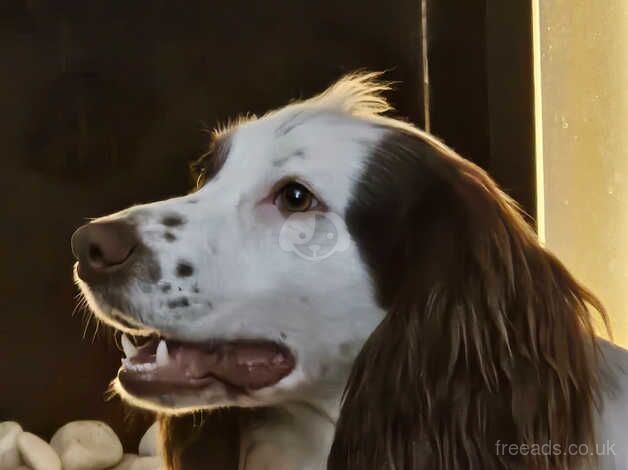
(481,87)
(510,84)
(426,68)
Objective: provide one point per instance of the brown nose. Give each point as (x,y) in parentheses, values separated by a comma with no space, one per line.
(102,248)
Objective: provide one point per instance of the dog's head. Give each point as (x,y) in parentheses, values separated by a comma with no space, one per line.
(252,281)
(327,243)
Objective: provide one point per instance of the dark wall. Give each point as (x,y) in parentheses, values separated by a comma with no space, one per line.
(481,87)
(103,103)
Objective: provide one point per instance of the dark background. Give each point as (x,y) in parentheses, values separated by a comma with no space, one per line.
(103,103)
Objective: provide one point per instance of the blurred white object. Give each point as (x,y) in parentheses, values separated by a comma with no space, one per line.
(87,445)
(149,444)
(135,462)
(9,455)
(37,453)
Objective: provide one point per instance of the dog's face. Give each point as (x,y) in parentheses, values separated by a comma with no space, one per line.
(252,281)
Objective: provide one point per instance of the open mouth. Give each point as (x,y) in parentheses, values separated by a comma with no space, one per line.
(162,366)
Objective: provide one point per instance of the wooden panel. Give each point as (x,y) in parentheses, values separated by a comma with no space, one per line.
(481,87)
(510,87)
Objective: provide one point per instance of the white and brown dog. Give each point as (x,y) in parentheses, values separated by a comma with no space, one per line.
(343,291)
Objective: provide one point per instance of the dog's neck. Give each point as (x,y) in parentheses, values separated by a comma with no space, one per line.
(290,437)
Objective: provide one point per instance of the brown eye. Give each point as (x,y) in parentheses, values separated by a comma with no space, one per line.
(294,197)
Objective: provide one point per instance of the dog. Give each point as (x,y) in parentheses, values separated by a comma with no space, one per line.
(343,291)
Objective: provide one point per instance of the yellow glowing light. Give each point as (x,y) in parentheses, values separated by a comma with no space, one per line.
(581,106)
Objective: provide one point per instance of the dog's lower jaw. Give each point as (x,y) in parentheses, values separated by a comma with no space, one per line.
(290,437)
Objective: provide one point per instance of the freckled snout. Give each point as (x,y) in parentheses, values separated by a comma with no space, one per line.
(103,248)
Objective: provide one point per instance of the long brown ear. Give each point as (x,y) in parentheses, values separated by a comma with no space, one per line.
(488,340)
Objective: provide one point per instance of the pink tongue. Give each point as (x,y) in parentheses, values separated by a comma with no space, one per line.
(243,364)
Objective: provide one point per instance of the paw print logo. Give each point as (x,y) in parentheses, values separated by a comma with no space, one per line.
(314,235)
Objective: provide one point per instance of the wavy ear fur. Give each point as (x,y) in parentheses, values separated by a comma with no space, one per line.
(488,339)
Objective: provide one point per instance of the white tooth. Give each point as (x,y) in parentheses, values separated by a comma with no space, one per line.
(161,358)
(129,348)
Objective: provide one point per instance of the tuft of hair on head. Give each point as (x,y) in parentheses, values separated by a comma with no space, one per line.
(224,127)
(358,93)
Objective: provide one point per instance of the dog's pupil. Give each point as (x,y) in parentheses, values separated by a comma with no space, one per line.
(296,195)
